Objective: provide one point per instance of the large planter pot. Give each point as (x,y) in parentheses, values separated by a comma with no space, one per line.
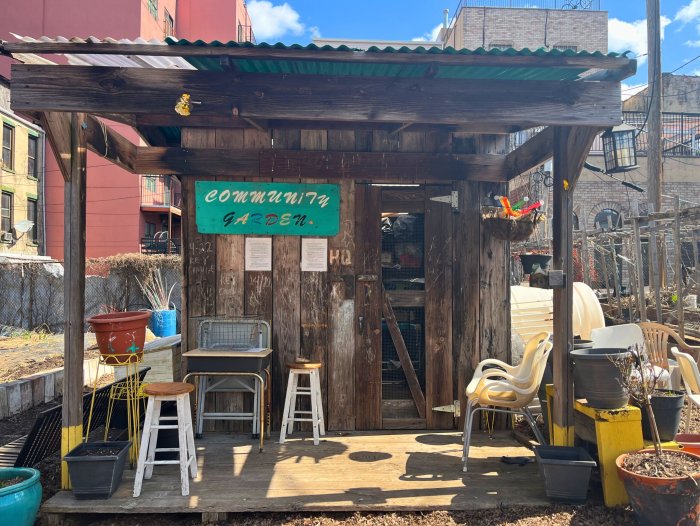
(597,377)
(96,468)
(529,261)
(689,442)
(164,323)
(120,335)
(565,471)
(667,406)
(19,503)
(662,501)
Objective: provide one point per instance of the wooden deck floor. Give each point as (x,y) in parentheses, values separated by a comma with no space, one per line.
(353,471)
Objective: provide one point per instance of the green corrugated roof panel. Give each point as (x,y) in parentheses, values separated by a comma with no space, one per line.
(343,68)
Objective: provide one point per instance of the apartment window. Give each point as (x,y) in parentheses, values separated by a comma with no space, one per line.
(32,149)
(150,184)
(501,45)
(566,47)
(168,24)
(150,230)
(153,8)
(8,146)
(6,212)
(32,216)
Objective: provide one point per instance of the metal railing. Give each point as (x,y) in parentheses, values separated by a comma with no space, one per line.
(581,5)
(151,245)
(160,190)
(245,34)
(680,134)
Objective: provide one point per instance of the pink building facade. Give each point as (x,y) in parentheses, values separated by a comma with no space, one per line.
(125,212)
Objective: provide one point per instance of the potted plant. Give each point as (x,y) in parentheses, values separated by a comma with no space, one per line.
(20,496)
(120,335)
(663,485)
(155,288)
(96,468)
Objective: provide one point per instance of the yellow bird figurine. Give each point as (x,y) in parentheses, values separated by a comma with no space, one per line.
(183,106)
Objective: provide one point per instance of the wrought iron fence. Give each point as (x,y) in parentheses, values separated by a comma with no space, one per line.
(587,5)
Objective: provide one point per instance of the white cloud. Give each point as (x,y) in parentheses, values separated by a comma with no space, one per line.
(430,36)
(628,90)
(274,21)
(689,12)
(631,36)
(315,32)
(693,43)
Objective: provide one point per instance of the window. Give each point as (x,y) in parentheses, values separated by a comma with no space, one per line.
(168,25)
(32,149)
(566,47)
(150,230)
(32,216)
(575,221)
(6,212)
(153,8)
(8,146)
(608,219)
(150,184)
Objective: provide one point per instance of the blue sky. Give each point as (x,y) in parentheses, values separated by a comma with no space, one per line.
(298,21)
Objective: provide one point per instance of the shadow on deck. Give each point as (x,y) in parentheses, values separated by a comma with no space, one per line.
(396,471)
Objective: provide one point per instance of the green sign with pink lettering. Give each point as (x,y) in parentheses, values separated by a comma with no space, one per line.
(279,209)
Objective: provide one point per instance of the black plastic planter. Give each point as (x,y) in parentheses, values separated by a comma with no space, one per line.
(94,475)
(565,471)
(528,262)
(598,378)
(667,406)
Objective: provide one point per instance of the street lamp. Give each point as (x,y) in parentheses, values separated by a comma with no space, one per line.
(619,149)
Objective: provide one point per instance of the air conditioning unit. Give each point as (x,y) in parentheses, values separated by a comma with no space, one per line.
(6,237)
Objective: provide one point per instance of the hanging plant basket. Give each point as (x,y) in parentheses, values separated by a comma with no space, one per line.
(509,228)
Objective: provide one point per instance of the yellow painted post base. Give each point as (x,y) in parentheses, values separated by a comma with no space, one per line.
(71,437)
(617,431)
(558,435)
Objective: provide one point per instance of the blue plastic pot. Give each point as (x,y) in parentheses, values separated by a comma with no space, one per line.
(19,503)
(164,323)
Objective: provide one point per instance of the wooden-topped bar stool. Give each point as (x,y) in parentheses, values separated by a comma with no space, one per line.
(158,393)
(289,415)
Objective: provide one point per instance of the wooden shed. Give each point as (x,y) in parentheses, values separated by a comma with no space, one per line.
(412,142)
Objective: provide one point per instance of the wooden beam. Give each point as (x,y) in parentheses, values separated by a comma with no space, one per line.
(110,144)
(457,59)
(530,154)
(320,164)
(402,352)
(74,291)
(58,129)
(571,146)
(311,97)
(220,121)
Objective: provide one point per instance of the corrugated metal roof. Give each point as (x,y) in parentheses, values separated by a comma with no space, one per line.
(378,69)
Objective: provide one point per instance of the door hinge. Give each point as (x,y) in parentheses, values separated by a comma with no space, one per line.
(452,199)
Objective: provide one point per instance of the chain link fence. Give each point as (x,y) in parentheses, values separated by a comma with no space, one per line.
(31,293)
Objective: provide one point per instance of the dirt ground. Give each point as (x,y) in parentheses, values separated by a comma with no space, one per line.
(28,353)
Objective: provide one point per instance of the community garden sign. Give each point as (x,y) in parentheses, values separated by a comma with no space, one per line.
(280,209)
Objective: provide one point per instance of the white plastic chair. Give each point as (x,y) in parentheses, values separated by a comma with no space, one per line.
(500,392)
(522,370)
(625,336)
(691,381)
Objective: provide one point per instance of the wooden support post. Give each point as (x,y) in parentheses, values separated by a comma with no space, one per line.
(616,277)
(571,146)
(655,271)
(74,292)
(641,296)
(678,268)
(604,264)
(584,249)
(696,261)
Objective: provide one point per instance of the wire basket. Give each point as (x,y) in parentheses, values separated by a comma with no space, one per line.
(509,228)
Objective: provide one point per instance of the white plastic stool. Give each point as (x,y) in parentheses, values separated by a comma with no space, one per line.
(157,393)
(289,415)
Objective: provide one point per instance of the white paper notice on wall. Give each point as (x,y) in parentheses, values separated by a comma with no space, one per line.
(314,254)
(258,253)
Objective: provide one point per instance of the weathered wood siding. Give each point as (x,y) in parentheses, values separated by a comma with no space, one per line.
(335,316)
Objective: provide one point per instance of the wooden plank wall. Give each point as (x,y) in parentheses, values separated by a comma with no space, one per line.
(315,315)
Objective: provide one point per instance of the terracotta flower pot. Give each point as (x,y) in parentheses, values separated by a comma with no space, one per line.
(662,501)
(120,335)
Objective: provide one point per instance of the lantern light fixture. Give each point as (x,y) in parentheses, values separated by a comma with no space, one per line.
(619,149)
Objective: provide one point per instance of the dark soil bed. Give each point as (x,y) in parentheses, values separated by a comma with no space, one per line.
(99,452)
(6,483)
(670,464)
